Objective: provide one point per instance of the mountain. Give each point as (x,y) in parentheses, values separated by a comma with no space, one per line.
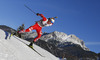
(6,28)
(98,56)
(16,49)
(61,39)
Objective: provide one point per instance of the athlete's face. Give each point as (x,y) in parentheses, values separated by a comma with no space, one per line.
(49,22)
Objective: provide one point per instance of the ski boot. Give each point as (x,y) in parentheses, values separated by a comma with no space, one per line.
(31,45)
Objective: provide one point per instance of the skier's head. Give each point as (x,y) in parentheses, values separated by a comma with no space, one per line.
(52,20)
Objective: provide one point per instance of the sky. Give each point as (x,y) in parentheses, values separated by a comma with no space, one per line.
(78,17)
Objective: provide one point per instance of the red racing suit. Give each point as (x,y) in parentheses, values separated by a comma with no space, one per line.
(38,26)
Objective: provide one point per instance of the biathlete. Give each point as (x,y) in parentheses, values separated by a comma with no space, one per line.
(38,27)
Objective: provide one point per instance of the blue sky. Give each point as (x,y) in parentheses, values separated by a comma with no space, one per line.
(79,17)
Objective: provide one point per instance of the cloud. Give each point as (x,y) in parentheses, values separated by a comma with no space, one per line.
(92,43)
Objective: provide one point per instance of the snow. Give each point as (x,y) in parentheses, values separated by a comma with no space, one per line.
(15,49)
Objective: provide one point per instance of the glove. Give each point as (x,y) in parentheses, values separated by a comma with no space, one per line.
(37,14)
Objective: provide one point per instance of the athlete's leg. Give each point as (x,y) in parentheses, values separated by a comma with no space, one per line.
(39,33)
(29,29)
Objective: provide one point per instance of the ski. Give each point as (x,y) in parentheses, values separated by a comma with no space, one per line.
(36,51)
(30,47)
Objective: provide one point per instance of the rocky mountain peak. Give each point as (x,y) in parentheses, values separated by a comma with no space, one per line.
(60,38)
(60,35)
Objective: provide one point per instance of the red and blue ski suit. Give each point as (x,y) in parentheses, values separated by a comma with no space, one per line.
(38,26)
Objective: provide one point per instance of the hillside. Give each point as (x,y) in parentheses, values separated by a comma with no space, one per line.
(15,49)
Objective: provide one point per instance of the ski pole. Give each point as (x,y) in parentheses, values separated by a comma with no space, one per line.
(29,9)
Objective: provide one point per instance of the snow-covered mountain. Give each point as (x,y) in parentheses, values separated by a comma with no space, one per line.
(58,38)
(14,48)
(64,39)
